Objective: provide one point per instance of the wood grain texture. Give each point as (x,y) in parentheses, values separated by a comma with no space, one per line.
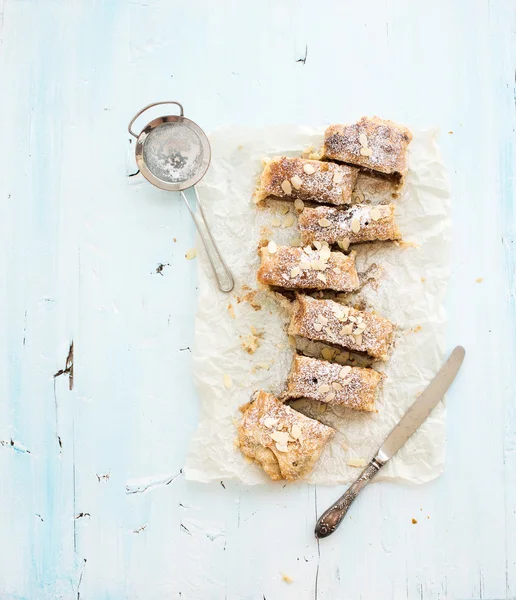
(92,501)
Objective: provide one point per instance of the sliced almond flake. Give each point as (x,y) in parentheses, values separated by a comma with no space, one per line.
(328,331)
(284,208)
(296,182)
(281,448)
(325,253)
(323,389)
(317,326)
(321,277)
(296,242)
(263,365)
(346,330)
(327,353)
(358,339)
(355,225)
(280,436)
(346,310)
(294,272)
(191,254)
(275,221)
(289,220)
(271,247)
(299,204)
(352,319)
(308,250)
(337,270)
(304,264)
(345,371)
(366,151)
(317,265)
(375,214)
(295,431)
(308,169)
(269,422)
(344,244)
(336,386)
(360,320)
(286,187)
(318,245)
(308,150)
(266,160)
(324,222)
(338,177)
(228,382)
(292,341)
(314,156)
(362,138)
(322,320)
(357,462)
(330,397)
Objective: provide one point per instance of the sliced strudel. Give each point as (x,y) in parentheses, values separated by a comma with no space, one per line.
(298,268)
(307,180)
(332,323)
(332,383)
(371,143)
(284,442)
(360,223)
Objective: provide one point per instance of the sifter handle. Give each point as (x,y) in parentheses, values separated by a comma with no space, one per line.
(150,106)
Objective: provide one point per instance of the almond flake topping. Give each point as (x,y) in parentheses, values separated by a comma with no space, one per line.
(294,272)
(323,389)
(344,244)
(344,372)
(355,225)
(271,247)
(298,203)
(286,187)
(375,214)
(324,222)
(338,177)
(308,169)
(296,182)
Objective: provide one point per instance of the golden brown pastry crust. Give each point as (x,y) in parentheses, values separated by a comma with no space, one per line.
(329,182)
(265,418)
(298,268)
(328,321)
(372,143)
(332,383)
(360,223)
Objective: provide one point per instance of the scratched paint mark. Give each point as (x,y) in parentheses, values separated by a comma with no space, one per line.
(140,529)
(185,529)
(316,587)
(68,370)
(82,515)
(160,267)
(16,446)
(80,578)
(141,487)
(303,60)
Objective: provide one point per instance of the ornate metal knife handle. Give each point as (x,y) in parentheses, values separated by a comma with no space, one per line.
(330,519)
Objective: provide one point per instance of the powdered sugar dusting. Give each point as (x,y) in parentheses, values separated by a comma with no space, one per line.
(382,229)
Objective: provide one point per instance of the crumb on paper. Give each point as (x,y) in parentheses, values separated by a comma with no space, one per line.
(228,382)
(479,279)
(423,279)
(417,328)
(249,297)
(414,521)
(357,462)
(403,244)
(261,365)
(286,578)
(240,147)
(344,446)
(394,195)
(231,311)
(175,239)
(251,342)
(191,254)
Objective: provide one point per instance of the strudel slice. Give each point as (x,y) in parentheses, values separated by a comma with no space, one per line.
(310,180)
(332,323)
(284,442)
(371,143)
(298,268)
(332,383)
(360,223)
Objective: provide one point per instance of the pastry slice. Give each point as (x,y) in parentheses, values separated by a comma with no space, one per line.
(332,323)
(360,223)
(298,268)
(310,180)
(371,143)
(332,383)
(284,442)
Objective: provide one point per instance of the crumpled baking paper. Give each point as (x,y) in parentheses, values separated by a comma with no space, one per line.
(409,291)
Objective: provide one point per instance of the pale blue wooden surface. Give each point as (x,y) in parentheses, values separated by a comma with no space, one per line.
(81,242)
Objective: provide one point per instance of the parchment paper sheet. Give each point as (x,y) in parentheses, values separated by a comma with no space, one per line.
(410,292)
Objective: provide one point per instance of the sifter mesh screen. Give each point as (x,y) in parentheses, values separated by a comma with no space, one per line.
(173,152)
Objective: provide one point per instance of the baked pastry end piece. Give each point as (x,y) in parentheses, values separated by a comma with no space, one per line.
(284,442)
(372,143)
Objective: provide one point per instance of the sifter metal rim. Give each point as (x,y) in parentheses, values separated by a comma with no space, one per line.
(151,177)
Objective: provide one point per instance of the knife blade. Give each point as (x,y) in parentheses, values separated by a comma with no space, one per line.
(407,426)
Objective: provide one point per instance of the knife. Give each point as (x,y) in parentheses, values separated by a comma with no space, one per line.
(410,422)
